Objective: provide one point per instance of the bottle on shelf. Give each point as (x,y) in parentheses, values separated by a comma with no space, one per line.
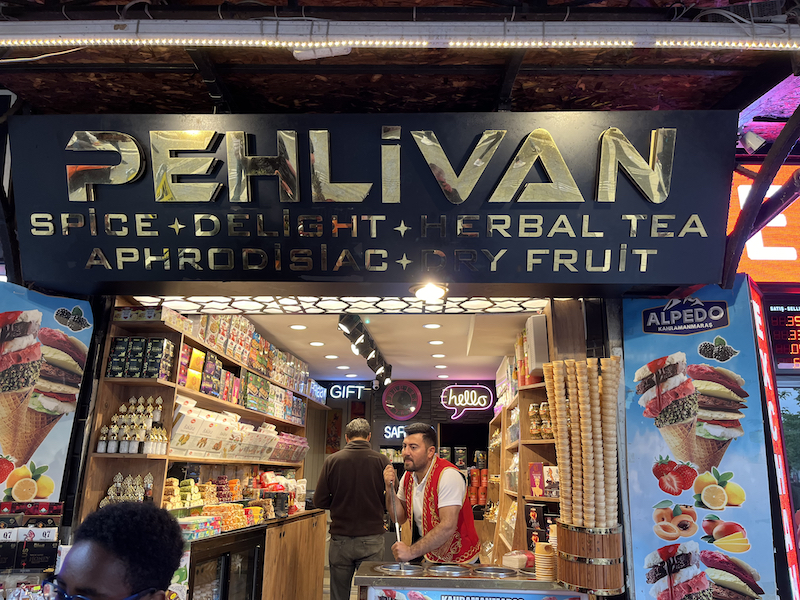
(102,442)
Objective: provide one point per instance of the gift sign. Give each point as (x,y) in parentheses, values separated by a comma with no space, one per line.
(700,515)
(461,398)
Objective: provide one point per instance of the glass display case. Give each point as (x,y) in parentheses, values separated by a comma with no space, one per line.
(227,567)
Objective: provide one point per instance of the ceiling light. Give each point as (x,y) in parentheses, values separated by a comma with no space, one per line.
(387,376)
(316,343)
(343,368)
(444,376)
(360,339)
(429,291)
(348,323)
(432,326)
(440,367)
(331,356)
(380,369)
(352,375)
(436,342)
(297,327)
(437,355)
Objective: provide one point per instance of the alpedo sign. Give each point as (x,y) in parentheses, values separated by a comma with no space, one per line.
(634,198)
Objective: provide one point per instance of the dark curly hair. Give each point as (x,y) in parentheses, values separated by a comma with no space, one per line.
(145,538)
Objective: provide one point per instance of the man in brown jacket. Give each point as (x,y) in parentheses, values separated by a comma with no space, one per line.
(351,486)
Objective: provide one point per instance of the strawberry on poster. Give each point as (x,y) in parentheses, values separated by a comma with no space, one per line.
(45,342)
(697,461)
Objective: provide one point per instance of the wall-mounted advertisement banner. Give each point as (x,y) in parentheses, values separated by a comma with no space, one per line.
(44,342)
(601,198)
(378,593)
(700,514)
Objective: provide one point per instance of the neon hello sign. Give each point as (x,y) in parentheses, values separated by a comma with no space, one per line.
(461,398)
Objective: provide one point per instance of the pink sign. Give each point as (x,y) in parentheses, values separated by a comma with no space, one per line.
(461,398)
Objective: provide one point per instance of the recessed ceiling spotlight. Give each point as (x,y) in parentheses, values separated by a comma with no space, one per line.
(331,356)
(342,368)
(440,367)
(429,291)
(297,327)
(436,342)
(352,375)
(437,355)
(316,343)
(444,376)
(431,326)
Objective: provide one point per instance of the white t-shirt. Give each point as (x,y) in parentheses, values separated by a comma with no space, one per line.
(452,491)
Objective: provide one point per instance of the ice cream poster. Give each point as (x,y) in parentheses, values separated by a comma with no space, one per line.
(44,342)
(697,463)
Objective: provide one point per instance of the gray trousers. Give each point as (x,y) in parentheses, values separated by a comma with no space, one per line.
(345,556)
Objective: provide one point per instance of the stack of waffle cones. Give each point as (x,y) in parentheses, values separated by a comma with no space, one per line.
(583,405)
(597,430)
(556,393)
(609,391)
(576,453)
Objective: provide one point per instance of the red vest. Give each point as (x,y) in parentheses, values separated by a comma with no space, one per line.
(464,545)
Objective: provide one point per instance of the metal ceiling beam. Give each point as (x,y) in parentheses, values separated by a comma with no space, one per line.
(220,95)
(321,68)
(744,224)
(513,65)
(777,203)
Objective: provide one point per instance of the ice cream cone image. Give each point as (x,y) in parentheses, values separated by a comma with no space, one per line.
(681,439)
(31,427)
(708,453)
(20,366)
(54,395)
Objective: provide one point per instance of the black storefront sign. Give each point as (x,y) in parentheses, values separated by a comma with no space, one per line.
(166,203)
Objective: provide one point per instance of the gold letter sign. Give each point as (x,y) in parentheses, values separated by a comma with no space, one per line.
(242,167)
(81,179)
(653,179)
(167,167)
(457,188)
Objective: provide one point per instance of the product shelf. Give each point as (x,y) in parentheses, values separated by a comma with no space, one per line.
(496,419)
(541,499)
(510,493)
(159,327)
(230,461)
(213,403)
(503,539)
(537,442)
(513,446)
(128,456)
(139,382)
(533,386)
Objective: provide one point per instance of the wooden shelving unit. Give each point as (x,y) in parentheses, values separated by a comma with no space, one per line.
(528,450)
(112,391)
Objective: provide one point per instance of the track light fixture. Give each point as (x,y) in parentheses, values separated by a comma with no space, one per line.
(361,342)
(348,323)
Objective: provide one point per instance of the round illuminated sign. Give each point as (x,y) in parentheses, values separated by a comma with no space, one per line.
(402,400)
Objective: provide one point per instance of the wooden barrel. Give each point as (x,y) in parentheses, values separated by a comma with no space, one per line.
(590,559)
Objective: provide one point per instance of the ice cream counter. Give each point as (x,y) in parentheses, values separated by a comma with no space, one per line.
(403,581)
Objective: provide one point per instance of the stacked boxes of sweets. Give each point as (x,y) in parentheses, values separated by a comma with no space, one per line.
(29,534)
(231,516)
(135,428)
(241,335)
(208,493)
(190,493)
(140,357)
(235,487)
(224,493)
(153,314)
(217,331)
(199,527)
(211,382)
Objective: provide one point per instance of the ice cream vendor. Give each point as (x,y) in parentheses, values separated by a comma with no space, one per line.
(434,493)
